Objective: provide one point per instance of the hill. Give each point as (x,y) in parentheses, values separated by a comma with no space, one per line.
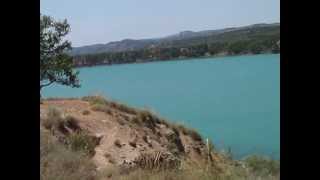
(253,39)
(93,138)
(181,39)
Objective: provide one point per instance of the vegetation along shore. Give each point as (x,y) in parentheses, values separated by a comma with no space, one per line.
(254,39)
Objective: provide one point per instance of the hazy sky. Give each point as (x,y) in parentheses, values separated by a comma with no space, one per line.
(102,21)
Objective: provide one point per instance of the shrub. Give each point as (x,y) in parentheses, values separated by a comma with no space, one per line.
(53,119)
(177,128)
(58,162)
(262,165)
(95,100)
(182,128)
(123,107)
(175,144)
(194,134)
(136,120)
(187,131)
(101,108)
(146,118)
(72,123)
(164,121)
(81,142)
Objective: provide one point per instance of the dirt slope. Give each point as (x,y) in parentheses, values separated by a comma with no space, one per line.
(126,134)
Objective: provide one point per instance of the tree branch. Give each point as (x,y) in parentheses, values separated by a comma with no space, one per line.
(44,85)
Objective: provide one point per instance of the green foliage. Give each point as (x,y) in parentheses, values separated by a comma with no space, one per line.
(55,64)
(247,41)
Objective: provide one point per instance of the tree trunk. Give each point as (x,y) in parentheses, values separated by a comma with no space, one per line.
(40,92)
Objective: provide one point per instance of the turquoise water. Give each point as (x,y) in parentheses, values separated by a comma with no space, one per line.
(235,101)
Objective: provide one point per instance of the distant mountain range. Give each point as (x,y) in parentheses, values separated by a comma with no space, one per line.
(181,39)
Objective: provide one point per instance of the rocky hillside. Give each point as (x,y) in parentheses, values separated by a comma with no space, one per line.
(124,136)
(96,139)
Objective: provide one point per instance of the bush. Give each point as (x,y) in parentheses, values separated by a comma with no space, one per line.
(146,118)
(182,128)
(194,134)
(101,108)
(186,131)
(122,107)
(175,145)
(101,104)
(53,119)
(72,123)
(58,162)
(95,100)
(262,165)
(81,142)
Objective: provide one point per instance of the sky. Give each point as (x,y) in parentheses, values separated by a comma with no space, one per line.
(103,21)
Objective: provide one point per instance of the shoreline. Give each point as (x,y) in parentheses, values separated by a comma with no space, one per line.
(175,59)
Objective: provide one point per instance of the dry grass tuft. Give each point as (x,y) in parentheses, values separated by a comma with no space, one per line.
(81,142)
(95,100)
(58,162)
(122,107)
(186,131)
(54,120)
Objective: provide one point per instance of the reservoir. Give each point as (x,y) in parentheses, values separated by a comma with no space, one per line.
(234,101)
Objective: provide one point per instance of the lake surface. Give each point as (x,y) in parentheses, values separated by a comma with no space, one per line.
(235,101)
